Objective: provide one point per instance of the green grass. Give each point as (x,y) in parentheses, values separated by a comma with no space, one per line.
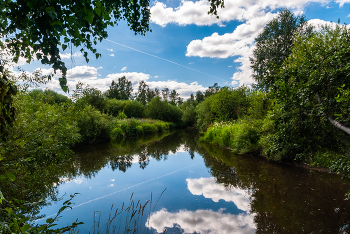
(241,136)
(138,127)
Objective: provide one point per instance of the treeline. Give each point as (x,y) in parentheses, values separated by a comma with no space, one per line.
(299,108)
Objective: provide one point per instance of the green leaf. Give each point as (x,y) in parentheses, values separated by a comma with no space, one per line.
(2,177)
(25,227)
(10,176)
(64,47)
(64,32)
(66,40)
(90,17)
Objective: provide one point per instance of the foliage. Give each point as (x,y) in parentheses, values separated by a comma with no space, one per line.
(36,29)
(134,127)
(315,79)
(93,125)
(131,108)
(17,219)
(162,110)
(122,115)
(189,115)
(48,96)
(225,105)
(7,91)
(121,90)
(142,92)
(241,136)
(41,131)
(204,115)
(273,46)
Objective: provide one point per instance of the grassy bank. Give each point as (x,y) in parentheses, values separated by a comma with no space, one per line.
(138,127)
(249,136)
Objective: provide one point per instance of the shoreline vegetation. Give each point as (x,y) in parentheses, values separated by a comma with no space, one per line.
(297,112)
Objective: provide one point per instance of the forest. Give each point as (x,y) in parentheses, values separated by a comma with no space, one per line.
(297,111)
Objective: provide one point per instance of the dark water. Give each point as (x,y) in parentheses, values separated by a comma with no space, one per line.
(208,190)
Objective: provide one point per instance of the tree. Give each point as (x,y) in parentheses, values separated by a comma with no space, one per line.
(273,46)
(142,92)
(199,96)
(121,90)
(212,90)
(165,93)
(173,97)
(315,79)
(39,28)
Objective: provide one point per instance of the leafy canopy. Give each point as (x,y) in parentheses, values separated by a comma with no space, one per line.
(273,46)
(37,28)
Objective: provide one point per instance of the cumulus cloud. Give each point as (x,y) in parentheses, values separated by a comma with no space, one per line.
(124,68)
(254,14)
(214,191)
(342,2)
(110,50)
(196,12)
(182,88)
(112,55)
(238,43)
(89,75)
(203,221)
(69,55)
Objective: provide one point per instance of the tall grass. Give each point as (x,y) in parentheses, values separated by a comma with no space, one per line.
(242,136)
(128,219)
(138,127)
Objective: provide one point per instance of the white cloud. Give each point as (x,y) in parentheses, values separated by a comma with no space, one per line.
(210,189)
(197,12)
(203,221)
(69,55)
(230,66)
(110,50)
(238,43)
(112,55)
(124,68)
(253,13)
(89,75)
(342,2)
(182,88)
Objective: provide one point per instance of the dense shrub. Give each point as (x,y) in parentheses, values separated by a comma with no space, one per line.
(93,125)
(162,110)
(131,108)
(242,136)
(41,131)
(48,96)
(225,105)
(134,127)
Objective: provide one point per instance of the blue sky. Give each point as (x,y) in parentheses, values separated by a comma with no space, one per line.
(183,33)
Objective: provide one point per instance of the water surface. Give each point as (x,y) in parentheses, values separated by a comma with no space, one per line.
(208,189)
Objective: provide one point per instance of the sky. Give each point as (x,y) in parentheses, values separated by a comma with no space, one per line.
(187,50)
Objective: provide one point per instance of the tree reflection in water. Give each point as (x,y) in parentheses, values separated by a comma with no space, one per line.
(273,198)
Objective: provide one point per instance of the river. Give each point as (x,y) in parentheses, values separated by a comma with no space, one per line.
(192,187)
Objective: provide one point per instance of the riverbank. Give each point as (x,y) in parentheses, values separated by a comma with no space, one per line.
(246,137)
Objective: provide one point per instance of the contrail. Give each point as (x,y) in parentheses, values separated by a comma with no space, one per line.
(163,59)
(98,198)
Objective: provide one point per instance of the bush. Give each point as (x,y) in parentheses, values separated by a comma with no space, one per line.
(41,131)
(162,110)
(241,136)
(117,133)
(48,96)
(132,109)
(122,115)
(93,125)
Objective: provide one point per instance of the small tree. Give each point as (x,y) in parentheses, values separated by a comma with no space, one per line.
(121,90)
(273,46)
